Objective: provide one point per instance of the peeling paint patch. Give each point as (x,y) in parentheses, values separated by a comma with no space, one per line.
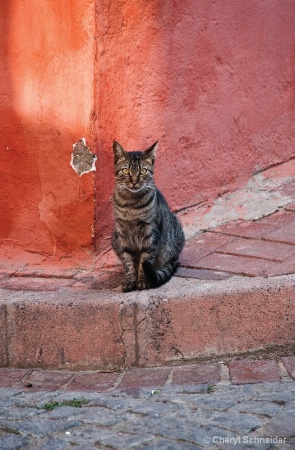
(82,160)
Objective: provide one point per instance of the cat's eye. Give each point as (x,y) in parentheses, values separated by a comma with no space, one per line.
(125,171)
(143,171)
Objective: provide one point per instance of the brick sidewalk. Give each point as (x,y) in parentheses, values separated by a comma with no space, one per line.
(235,372)
(252,248)
(257,248)
(261,248)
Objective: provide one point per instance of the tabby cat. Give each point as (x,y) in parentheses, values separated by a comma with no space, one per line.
(147,237)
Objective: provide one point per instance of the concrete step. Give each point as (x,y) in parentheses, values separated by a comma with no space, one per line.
(183,321)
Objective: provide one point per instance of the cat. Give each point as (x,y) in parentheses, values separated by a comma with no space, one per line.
(147,237)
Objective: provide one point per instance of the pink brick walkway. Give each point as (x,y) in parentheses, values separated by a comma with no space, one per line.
(264,247)
(258,248)
(235,372)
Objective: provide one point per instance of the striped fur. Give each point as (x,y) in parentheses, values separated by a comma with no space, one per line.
(147,237)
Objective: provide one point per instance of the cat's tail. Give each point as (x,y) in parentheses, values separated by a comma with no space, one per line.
(158,277)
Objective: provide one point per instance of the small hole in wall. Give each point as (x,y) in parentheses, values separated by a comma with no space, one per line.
(83,160)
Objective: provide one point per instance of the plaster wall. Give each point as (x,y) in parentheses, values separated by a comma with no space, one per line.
(213,81)
(46,98)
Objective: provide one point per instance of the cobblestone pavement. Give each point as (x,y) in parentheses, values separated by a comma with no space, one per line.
(54,410)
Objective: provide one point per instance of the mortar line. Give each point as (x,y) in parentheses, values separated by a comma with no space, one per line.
(231,272)
(271,166)
(117,382)
(224,374)
(65,385)
(5,335)
(243,255)
(169,380)
(284,374)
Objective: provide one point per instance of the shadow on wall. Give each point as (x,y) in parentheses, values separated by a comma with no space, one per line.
(45,206)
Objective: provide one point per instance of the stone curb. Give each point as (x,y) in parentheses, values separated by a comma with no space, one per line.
(180,322)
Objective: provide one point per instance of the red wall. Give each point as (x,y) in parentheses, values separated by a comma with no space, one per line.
(46,99)
(213,81)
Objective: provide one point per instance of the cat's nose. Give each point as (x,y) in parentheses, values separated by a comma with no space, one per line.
(134,181)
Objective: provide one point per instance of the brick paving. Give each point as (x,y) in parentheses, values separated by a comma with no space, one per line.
(239,372)
(263,247)
(258,248)
(253,371)
(244,404)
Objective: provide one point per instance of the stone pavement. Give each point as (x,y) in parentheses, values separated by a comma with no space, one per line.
(242,404)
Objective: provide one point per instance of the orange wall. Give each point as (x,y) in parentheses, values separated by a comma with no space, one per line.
(46,100)
(213,81)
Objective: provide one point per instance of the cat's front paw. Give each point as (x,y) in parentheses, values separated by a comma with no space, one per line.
(129,286)
(143,284)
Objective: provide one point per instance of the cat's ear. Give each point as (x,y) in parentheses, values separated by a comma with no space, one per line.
(118,151)
(151,151)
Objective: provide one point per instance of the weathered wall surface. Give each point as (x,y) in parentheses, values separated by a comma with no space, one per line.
(46,99)
(212,80)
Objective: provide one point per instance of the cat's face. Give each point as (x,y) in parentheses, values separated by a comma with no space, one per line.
(134,170)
